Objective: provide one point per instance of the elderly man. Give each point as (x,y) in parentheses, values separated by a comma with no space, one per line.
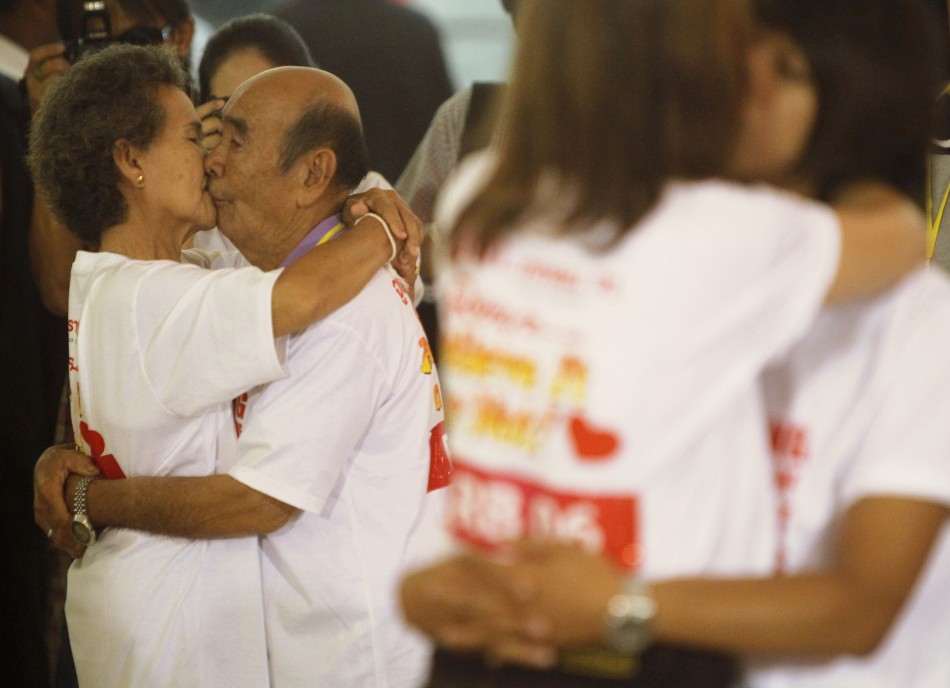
(336,464)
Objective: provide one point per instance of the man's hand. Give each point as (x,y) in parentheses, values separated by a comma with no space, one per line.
(474,603)
(401,220)
(50,510)
(47,63)
(210,115)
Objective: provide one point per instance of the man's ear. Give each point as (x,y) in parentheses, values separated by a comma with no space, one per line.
(316,175)
(128,160)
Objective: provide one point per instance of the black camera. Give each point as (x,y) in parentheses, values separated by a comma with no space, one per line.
(95,29)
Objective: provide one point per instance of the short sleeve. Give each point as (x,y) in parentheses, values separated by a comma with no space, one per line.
(726,279)
(907,451)
(746,270)
(300,432)
(205,336)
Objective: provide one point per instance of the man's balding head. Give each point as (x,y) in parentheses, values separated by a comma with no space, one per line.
(316,109)
(291,151)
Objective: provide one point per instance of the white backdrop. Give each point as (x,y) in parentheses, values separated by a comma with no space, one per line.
(477,37)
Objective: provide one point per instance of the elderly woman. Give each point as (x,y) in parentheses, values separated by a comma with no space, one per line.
(159,346)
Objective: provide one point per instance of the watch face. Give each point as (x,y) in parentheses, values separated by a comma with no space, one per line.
(82,534)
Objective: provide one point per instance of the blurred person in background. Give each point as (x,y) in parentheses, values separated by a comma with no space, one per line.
(938,170)
(859,441)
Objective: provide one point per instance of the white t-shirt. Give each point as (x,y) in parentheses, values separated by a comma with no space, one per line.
(609,398)
(354,438)
(157,352)
(859,408)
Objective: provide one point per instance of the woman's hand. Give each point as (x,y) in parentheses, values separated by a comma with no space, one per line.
(402,221)
(50,510)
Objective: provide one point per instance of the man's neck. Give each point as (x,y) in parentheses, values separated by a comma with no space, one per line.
(271,248)
(323,232)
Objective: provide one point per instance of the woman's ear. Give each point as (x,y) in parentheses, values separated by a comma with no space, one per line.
(128,161)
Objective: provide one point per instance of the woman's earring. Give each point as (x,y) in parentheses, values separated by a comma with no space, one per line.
(140,180)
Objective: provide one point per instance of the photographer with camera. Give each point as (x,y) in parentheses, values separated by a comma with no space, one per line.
(87,26)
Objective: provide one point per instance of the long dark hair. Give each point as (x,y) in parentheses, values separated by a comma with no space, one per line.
(877,65)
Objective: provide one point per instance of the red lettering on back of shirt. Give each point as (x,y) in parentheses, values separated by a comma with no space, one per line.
(790,450)
(487,509)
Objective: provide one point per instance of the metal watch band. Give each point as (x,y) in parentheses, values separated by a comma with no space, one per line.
(79,501)
(629,619)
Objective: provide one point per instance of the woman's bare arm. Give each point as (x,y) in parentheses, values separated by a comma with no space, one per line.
(883,237)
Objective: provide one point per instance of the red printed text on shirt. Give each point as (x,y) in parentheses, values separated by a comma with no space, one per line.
(487,509)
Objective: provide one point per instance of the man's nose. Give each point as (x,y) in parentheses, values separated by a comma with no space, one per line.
(213,166)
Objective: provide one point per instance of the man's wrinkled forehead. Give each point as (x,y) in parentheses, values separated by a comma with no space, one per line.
(256,107)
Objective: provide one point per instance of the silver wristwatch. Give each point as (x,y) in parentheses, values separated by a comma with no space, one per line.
(83,531)
(629,619)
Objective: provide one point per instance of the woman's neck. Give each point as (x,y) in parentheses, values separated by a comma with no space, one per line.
(144,236)
(138,240)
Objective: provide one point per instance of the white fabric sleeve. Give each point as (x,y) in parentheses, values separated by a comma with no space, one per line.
(301,432)
(746,270)
(211,240)
(206,336)
(373,180)
(214,257)
(907,452)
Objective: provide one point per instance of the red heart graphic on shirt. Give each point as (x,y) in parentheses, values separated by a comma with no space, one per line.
(97,445)
(590,443)
(106,463)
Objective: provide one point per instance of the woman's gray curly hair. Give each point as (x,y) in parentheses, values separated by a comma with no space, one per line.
(107,96)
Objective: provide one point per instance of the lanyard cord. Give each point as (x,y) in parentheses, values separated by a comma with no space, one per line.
(333,232)
(933,224)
